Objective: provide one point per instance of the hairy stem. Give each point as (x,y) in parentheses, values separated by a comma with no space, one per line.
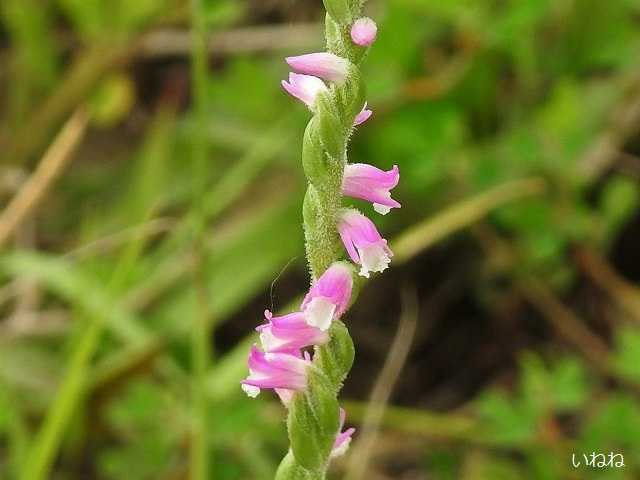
(313,421)
(200,331)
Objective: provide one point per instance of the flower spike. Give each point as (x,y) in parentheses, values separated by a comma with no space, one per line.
(333,88)
(364,31)
(327,66)
(289,332)
(329,296)
(367,182)
(363,242)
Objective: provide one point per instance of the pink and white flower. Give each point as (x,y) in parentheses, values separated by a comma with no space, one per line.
(289,332)
(363,242)
(325,65)
(343,439)
(363,116)
(372,184)
(285,372)
(364,31)
(305,88)
(328,297)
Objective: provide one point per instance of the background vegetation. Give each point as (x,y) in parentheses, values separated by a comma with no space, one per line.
(151,192)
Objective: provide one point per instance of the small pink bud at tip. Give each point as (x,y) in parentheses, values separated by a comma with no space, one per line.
(364,31)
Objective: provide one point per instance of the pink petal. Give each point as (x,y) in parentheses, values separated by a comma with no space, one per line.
(325,65)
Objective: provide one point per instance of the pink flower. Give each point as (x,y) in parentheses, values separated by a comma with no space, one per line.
(329,296)
(363,116)
(372,184)
(305,88)
(363,242)
(327,66)
(289,332)
(286,372)
(364,32)
(343,439)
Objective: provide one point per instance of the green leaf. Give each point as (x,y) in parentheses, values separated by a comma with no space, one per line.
(535,392)
(619,200)
(561,388)
(339,11)
(336,357)
(505,421)
(614,426)
(626,357)
(569,384)
(313,421)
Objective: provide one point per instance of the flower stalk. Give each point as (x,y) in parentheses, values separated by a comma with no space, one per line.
(314,417)
(331,86)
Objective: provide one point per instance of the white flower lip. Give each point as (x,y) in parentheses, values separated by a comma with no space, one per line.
(268,340)
(374,258)
(319,313)
(381,209)
(250,390)
(342,449)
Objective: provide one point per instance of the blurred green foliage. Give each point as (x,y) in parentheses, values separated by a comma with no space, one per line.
(467,94)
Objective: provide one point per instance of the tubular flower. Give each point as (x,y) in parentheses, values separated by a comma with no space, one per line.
(286,372)
(363,242)
(325,65)
(364,31)
(289,332)
(305,88)
(329,297)
(372,184)
(363,116)
(343,439)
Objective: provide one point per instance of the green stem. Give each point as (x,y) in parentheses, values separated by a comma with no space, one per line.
(41,456)
(290,470)
(200,350)
(200,332)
